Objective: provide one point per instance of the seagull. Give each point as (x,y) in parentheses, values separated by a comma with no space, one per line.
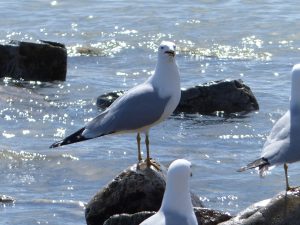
(140,108)
(283,144)
(176,207)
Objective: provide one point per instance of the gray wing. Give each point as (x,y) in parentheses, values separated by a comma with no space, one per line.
(278,141)
(139,107)
(280,129)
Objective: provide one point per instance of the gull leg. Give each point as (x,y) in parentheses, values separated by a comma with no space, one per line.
(148,160)
(148,151)
(285,166)
(138,140)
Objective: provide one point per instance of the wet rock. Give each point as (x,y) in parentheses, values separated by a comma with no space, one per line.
(219,96)
(6,199)
(283,209)
(43,61)
(204,216)
(134,190)
(105,100)
(226,96)
(128,219)
(207,216)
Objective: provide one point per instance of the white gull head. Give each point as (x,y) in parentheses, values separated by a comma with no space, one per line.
(176,206)
(167,51)
(177,194)
(166,77)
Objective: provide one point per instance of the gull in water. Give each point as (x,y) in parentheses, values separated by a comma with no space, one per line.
(283,144)
(139,108)
(176,207)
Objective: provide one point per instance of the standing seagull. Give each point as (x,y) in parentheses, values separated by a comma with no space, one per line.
(283,143)
(141,107)
(176,207)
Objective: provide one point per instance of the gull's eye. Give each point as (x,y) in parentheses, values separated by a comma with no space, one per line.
(161,47)
(174,46)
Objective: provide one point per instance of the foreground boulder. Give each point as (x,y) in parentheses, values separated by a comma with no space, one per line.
(128,219)
(44,61)
(219,96)
(283,209)
(204,216)
(134,190)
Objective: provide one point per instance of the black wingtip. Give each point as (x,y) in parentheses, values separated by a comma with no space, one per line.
(260,163)
(56,144)
(73,138)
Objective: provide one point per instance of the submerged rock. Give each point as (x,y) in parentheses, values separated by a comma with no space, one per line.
(44,61)
(134,190)
(204,216)
(283,209)
(219,96)
(6,199)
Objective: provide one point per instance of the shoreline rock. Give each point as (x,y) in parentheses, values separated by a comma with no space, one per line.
(227,96)
(204,216)
(282,209)
(44,61)
(133,190)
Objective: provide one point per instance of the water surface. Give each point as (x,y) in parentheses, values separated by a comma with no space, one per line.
(112,46)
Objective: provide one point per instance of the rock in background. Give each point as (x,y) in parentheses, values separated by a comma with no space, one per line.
(6,199)
(44,61)
(219,96)
(283,209)
(223,96)
(134,190)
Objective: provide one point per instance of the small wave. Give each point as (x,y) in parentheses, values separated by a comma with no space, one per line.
(107,48)
(250,48)
(73,203)
(32,156)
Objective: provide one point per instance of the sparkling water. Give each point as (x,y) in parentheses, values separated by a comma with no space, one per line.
(112,46)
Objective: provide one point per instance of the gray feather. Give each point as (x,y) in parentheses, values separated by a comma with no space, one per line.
(257,163)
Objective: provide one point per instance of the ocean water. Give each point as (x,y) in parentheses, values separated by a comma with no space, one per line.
(112,46)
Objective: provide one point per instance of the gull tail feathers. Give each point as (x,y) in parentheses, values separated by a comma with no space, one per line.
(261,163)
(73,138)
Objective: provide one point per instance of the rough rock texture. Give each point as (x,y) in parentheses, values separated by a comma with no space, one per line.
(225,96)
(204,216)
(44,61)
(128,219)
(283,209)
(134,190)
(207,216)
(6,199)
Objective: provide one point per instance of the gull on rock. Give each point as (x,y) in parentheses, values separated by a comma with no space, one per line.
(139,108)
(283,144)
(176,207)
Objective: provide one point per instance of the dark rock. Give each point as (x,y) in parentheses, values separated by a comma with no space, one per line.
(204,216)
(6,199)
(134,190)
(128,219)
(44,61)
(283,209)
(225,96)
(105,100)
(207,216)
(219,96)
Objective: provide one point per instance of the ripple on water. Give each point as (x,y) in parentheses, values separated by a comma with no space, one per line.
(249,48)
